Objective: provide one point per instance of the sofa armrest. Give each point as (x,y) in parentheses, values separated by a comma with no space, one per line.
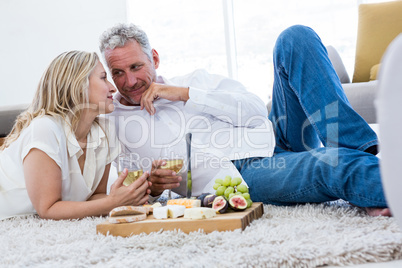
(361,96)
(338,64)
(8,114)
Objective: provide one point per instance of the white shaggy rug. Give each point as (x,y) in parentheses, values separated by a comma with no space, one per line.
(302,236)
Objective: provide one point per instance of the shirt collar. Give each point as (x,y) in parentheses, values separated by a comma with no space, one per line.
(94,138)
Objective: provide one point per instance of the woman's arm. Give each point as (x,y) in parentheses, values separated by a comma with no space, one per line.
(44,186)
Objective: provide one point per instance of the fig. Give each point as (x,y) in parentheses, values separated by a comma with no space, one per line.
(238,202)
(220,204)
(208,200)
(230,195)
(202,197)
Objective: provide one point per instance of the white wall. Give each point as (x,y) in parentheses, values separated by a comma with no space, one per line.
(34,32)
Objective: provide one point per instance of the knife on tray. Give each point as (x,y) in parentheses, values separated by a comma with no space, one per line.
(189,179)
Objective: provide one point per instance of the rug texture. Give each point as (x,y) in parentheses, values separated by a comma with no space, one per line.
(301,236)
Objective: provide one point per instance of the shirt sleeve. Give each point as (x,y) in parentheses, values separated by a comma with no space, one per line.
(45,135)
(224,98)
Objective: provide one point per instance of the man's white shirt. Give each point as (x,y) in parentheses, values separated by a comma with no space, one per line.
(226,121)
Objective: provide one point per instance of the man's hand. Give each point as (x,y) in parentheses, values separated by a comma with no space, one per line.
(156,91)
(162,179)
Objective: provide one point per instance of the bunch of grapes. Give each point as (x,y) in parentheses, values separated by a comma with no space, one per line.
(229,187)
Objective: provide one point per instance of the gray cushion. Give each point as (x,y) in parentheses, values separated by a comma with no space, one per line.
(338,64)
(361,96)
(8,114)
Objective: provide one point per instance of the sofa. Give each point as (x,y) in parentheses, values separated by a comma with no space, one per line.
(378,25)
(8,114)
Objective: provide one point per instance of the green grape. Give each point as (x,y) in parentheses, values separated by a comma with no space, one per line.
(226,181)
(189,180)
(220,181)
(242,188)
(246,195)
(228,191)
(249,203)
(235,181)
(230,195)
(216,186)
(221,190)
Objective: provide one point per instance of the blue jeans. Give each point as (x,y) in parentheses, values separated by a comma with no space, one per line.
(310,109)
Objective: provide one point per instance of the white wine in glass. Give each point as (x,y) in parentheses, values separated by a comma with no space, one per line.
(132,163)
(132,176)
(174,161)
(174,164)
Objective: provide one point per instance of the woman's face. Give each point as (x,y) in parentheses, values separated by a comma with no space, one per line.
(100,90)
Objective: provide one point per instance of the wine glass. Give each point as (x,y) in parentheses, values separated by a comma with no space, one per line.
(132,163)
(174,157)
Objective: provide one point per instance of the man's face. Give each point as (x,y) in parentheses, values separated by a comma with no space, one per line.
(131,70)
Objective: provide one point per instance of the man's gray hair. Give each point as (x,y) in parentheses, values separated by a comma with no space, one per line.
(120,34)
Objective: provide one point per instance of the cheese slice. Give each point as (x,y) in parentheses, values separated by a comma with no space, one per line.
(150,208)
(156,205)
(199,213)
(160,213)
(170,211)
(188,203)
(175,211)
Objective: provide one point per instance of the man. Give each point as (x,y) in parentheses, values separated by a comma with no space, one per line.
(231,133)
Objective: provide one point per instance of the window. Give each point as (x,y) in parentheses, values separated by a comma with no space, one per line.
(259,22)
(190,34)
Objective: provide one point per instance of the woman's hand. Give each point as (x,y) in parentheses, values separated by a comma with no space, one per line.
(162,179)
(135,194)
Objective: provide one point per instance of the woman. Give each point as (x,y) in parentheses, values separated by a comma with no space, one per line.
(56,160)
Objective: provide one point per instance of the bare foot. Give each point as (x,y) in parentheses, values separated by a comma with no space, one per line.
(374,212)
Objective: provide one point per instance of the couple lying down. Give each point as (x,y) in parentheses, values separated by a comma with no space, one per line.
(56,160)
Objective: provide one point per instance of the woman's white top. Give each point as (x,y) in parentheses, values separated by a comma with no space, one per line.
(53,136)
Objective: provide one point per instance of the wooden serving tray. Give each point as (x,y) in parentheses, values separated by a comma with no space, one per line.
(221,222)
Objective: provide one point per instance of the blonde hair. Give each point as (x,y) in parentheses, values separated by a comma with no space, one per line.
(61,91)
